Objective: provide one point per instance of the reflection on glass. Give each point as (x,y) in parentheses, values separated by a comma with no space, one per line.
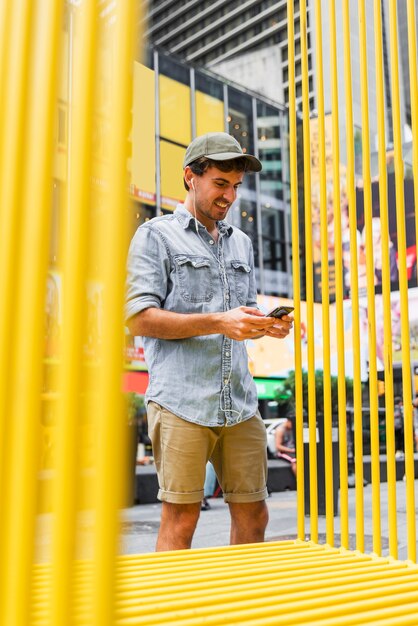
(274,239)
(270,150)
(240,125)
(243,214)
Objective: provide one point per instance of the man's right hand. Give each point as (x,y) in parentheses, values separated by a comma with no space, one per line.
(245,323)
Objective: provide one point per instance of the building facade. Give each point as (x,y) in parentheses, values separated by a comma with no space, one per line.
(182,102)
(247,42)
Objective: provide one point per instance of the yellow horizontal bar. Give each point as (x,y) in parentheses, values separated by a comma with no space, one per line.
(242,592)
(234,585)
(297,612)
(357,572)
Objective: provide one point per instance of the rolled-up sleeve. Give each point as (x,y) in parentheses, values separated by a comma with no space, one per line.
(147,272)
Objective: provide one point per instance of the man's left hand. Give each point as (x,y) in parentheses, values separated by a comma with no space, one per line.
(281,327)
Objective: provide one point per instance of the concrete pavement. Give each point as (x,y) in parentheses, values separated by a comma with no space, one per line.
(140,523)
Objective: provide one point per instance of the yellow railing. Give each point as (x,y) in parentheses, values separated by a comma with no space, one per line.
(366,65)
(62,568)
(92,248)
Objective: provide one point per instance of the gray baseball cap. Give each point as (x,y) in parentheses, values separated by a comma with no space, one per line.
(219,147)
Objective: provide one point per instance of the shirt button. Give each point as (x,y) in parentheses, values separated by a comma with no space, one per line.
(211,242)
(225,381)
(227,354)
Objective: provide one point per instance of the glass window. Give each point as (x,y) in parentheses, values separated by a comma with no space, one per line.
(173,69)
(240,126)
(240,119)
(138,213)
(270,150)
(274,245)
(243,214)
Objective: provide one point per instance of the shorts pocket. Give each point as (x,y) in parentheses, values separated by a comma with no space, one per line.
(241,272)
(194,278)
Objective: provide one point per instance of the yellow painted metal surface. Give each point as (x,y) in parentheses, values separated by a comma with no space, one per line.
(296,271)
(384,217)
(403,283)
(351,196)
(275,583)
(313,480)
(84,386)
(77,389)
(143,135)
(339,289)
(210,114)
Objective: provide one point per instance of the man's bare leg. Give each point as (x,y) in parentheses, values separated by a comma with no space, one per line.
(178,523)
(248,521)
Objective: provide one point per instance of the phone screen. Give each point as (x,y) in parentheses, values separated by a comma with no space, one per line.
(280,311)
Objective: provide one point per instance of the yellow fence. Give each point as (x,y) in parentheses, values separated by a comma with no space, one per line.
(370,253)
(77,578)
(84,386)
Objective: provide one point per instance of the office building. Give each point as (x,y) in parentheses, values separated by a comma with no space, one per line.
(247,42)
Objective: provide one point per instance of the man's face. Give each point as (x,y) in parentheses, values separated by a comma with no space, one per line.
(212,194)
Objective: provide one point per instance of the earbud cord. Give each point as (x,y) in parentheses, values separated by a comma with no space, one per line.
(222,268)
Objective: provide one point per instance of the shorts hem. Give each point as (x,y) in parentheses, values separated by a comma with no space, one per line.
(174,497)
(255,496)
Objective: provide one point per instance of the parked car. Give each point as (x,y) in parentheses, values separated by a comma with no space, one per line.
(271,425)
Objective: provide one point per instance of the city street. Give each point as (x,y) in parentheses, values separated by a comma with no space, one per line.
(140,523)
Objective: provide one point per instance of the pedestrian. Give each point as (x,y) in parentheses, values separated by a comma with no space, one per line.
(285,442)
(191,295)
(415,405)
(399,430)
(208,487)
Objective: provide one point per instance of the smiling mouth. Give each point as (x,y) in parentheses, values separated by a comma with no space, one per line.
(222,205)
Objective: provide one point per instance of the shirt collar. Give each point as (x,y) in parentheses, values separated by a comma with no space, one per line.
(185,218)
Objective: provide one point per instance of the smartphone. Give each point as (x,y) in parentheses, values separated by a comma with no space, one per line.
(280,311)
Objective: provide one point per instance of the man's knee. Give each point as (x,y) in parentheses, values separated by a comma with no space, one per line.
(178,523)
(249,522)
(183,517)
(253,514)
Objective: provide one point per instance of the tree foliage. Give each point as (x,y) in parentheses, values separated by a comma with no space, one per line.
(285,394)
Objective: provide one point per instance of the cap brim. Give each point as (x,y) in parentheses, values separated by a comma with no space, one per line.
(254,163)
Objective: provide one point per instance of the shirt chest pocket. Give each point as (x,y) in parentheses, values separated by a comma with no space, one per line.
(241,272)
(194,278)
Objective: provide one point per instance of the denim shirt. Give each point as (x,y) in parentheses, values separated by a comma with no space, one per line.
(202,379)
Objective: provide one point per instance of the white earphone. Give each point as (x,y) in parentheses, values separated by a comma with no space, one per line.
(192,184)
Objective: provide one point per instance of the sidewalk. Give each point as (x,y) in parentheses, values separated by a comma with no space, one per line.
(140,523)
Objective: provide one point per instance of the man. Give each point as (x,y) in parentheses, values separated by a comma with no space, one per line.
(285,443)
(192,297)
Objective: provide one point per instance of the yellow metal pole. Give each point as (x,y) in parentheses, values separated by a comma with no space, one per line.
(5,17)
(351,194)
(403,285)
(339,291)
(313,479)
(30,269)
(75,242)
(327,417)
(413,86)
(112,237)
(296,271)
(16,18)
(384,220)
(371,313)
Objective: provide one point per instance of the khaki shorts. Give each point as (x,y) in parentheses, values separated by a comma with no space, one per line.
(181,450)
